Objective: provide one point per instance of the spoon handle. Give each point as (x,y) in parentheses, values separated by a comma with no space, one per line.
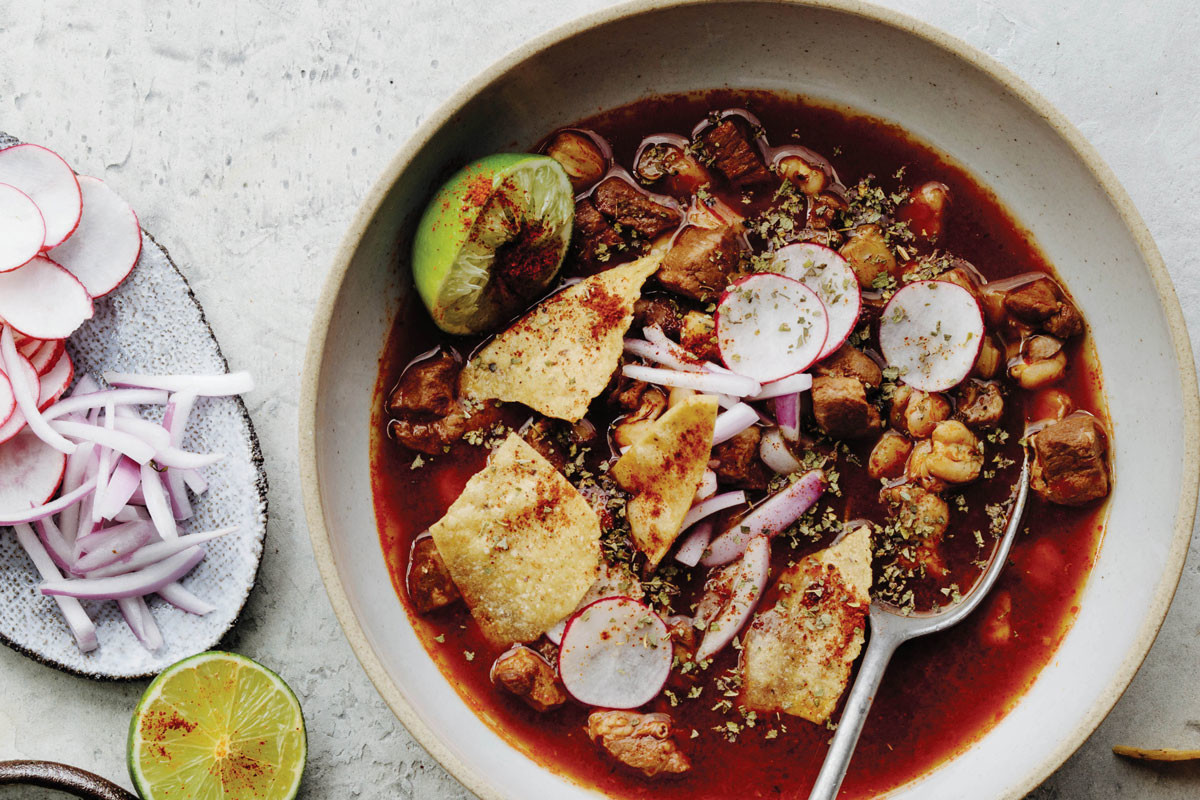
(879,652)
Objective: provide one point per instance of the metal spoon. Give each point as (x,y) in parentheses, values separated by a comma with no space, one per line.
(890,628)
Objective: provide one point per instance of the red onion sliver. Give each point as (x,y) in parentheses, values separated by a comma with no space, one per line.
(120,441)
(17,367)
(156,503)
(125,479)
(175,458)
(708,382)
(748,587)
(733,422)
(175,420)
(181,506)
(43,511)
(73,478)
(772,516)
(792,384)
(181,598)
(775,453)
(112,544)
(138,618)
(706,508)
(156,552)
(77,620)
(56,546)
(104,471)
(118,397)
(203,385)
(694,544)
(655,335)
(708,486)
(787,414)
(195,481)
(132,584)
(149,432)
(658,354)
(131,513)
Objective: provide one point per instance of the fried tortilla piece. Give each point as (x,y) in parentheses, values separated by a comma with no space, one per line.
(521,544)
(797,653)
(662,472)
(560,355)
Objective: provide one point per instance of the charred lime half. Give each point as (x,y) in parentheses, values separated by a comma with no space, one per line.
(492,240)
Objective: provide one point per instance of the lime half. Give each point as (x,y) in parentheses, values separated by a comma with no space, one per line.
(217,726)
(492,240)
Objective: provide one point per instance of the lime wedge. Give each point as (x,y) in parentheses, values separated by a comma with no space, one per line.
(492,240)
(217,726)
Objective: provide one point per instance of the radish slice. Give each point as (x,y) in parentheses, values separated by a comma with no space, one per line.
(22,229)
(616,653)
(54,383)
(748,587)
(776,513)
(106,245)
(50,183)
(43,300)
(43,354)
(25,388)
(770,326)
(30,471)
(931,331)
(832,278)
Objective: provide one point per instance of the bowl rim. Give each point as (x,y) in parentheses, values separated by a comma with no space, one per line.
(1083,149)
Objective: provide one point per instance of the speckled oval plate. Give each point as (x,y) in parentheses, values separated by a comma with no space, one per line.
(153,324)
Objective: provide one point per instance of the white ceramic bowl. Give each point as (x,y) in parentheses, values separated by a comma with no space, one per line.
(883,64)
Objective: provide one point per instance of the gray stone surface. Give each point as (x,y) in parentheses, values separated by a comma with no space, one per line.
(246,131)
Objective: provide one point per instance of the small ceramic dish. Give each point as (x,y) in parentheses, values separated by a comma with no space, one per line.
(153,324)
(873,61)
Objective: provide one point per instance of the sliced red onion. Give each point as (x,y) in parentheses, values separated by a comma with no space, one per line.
(774,451)
(77,620)
(157,504)
(73,478)
(125,443)
(177,496)
(53,507)
(175,458)
(792,384)
(707,382)
(149,432)
(81,401)
(747,589)
(57,547)
(124,481)
(18,369)
(195,481)
(131,513)
(156,552)
(692,548)
(137,617)
(708,486)
(733,422)
(104,470)
(658,354)
(726,401)
(787,414)
(202,385)
(181,598)
(776,513)
(655,335)
(132,584)
(706,508)
(112,544)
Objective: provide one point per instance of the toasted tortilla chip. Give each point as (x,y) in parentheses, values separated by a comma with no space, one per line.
(521,544)
(560,355)
(663,470)
(797,654)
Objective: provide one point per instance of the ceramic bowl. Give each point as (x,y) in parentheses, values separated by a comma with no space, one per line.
(874,61)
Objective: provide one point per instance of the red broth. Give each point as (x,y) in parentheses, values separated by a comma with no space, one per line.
(941,693)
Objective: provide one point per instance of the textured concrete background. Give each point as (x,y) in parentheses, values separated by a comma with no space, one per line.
(246,131)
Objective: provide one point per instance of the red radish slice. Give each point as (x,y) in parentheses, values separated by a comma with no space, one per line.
(50,183)
(8,401)
(30,472)
(106,245)
(42,299)
(832,278)
(748,586)
(770,326)
(45,355)
(931,331)
(616,653)
(55,382)
(22,229)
